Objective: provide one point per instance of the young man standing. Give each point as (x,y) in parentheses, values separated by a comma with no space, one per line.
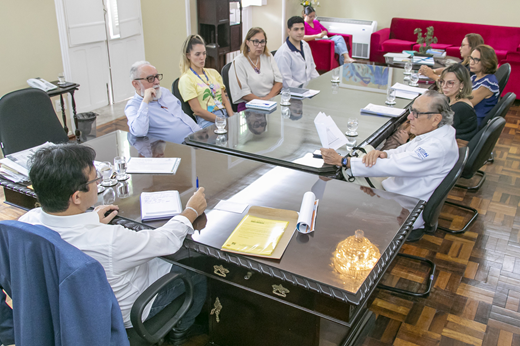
(294,57)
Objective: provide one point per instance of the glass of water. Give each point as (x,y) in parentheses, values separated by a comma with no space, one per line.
(351,143)
(120,163)
(414,78)
(109,196)
(335,75)
(106,172)
(123,190)
(221,141)
(220,123)
(408,68)
(390,96)
(352,125)
(286,97)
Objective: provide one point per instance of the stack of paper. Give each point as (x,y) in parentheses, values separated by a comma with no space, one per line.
(407,92)
(383,111)
(438,53)
(330,134)
(153,165)
(261,104)
(15,167)
(423,60)
(398,57)
(160,205)
(303,93)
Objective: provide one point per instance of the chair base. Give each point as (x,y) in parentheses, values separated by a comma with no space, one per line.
(482,174)
(466,226)
(415,235)
(491,159)
(429,282)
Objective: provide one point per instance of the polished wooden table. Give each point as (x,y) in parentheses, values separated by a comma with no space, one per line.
(287,137)
(321,306)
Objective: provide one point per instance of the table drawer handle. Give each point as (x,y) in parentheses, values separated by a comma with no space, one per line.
(279,290)
(216,310)
(220,270)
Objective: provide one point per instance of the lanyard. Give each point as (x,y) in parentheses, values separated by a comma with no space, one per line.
(211,86)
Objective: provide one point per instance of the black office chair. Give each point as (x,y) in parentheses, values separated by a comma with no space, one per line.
(500,109)
(50,263)
(185,105)
(430,215)
(28,119)
(225,78)
(502,74)
(273,52)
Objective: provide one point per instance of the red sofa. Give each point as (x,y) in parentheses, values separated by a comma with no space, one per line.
(505,40)
(323,52)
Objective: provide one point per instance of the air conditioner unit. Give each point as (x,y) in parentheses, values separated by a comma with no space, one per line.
(361,30)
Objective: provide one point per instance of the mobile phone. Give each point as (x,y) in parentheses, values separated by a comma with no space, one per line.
(317,154)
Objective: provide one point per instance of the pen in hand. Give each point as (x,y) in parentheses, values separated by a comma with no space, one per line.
(197,183)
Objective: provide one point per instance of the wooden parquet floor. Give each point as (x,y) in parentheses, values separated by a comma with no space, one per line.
(476,295)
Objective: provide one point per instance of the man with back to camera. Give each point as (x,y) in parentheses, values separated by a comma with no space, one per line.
(154,111)
(294,57)
(65,180)
(415,168)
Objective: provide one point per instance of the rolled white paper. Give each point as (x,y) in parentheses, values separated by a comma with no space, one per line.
(305,218)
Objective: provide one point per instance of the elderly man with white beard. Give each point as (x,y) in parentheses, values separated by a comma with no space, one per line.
(154,111)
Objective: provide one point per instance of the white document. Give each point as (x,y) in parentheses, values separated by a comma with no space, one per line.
(160,205)
(232,207)
(307,215)
(153,165)
(382,111)
(311,93)
(261,104)
(407,92)
(329,133)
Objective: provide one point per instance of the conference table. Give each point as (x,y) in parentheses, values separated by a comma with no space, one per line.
(287,136)
(299,299)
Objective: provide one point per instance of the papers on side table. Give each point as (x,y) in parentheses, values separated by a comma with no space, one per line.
(153,165)
(383,111)
(330,134)
(15,167)
(407,92)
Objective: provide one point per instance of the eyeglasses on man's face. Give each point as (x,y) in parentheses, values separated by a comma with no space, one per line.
(416,113)
(98,179)
(475,60)
(258,43)
(447,83)
(151,79)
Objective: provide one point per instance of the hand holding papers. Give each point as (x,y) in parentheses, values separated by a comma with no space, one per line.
(383,111)
(407,92)
(330,135)
(308,209)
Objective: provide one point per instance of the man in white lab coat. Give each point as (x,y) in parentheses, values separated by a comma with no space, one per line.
(294,57)
(415,168)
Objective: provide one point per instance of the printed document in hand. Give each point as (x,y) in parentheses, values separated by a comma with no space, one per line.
(308,210)
(407,92)
(160,205)
(330,134)
(153,165)
(372,109)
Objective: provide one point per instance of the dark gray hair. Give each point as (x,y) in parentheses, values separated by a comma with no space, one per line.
(440,103)
(135,68)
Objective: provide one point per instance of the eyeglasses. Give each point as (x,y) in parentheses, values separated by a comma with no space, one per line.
(448,83)
(258,43)
(150,79)
(416,114)
(475,60)
(98,179)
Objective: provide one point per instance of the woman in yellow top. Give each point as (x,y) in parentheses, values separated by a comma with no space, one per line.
(201,87)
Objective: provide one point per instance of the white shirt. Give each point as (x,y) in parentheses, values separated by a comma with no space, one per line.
(416,168)
(295,70)
(129,258)
(259,84)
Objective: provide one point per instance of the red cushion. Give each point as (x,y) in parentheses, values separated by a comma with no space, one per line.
(434,46)
(397,46)
(453,51)
(501,54)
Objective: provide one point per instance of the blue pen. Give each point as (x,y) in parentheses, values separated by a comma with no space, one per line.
(197,182)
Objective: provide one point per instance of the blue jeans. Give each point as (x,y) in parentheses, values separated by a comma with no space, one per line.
(175,289)
(340,47)
(203,123)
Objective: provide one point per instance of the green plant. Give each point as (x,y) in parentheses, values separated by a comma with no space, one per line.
(425,42)
(313,3)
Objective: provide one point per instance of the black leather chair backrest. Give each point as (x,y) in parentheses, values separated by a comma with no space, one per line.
(273,52)
(27,119)
(185,105)
(481,146)
(433,207)
(502,74)
(225,78)
(500,109)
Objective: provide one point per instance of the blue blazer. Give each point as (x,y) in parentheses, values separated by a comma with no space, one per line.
(60,295)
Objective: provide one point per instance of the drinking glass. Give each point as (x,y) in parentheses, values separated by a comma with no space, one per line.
(120,163)
(352,125)
(106,172)
(414,78)
(123,190)
(408,68)
(109,196)
(351,143)
(390,96)
(220,123)
(221,141)
(335,75)
(286,97)
(286,112)
(335,88)
(61,78)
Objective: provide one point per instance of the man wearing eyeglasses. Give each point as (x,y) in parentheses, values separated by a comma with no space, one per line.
(294,57)
(415,168)
(154,111)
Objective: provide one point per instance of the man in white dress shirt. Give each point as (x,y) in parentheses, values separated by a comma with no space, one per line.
(294,57)
(65,180)
(415,168)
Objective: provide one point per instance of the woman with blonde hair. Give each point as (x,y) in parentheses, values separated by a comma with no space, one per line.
(201,87)
(254,73)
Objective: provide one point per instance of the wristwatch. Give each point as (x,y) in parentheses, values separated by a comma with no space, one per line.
(344,162)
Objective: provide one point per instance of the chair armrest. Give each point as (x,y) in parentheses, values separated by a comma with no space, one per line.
(518,48)
(376,41)
(512,57)
(162,319)
(323,54)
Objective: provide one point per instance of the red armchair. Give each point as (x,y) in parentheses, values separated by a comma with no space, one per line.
(323,52)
